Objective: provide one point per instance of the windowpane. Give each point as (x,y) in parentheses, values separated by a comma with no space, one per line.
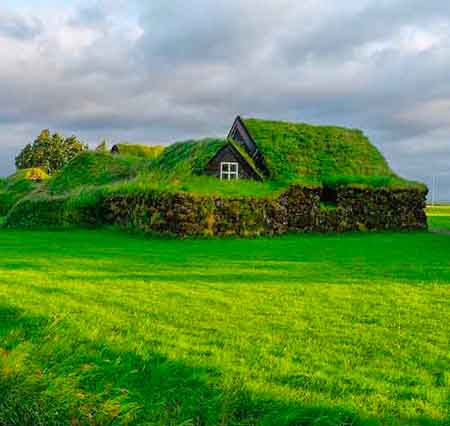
(229,171)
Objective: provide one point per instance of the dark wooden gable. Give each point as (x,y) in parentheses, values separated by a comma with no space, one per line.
(230,154)
(240,134)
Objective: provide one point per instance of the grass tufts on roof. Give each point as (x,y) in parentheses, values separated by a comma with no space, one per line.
(296,149)
(189,157)
(136,150)
(96,168)
(18,185)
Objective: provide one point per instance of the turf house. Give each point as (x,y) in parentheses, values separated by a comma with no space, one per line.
(265,178)
(292,149)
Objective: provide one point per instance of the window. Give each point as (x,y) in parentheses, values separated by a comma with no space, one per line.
(229,171)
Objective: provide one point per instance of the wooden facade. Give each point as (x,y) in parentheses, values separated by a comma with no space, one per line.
(230,155)
(241,135)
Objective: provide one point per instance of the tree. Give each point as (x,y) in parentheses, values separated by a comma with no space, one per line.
(49,152)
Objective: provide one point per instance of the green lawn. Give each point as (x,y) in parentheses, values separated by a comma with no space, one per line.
(439,217)
(104,328)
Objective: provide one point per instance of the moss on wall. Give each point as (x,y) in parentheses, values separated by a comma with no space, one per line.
(299,209)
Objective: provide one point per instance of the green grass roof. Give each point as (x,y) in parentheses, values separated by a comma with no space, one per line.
(295,149)
(189,157)
(18,185)
(96,168)
(145,151)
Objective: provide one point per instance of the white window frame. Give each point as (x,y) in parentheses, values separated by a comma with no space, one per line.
(226,172)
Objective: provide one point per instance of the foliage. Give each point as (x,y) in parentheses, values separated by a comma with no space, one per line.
(49,152)
(95,168)
(36,175)
(144,151)
(300,330)
(297,149)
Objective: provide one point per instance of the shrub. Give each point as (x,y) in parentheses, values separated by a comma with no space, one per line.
(36,174)
(49,152)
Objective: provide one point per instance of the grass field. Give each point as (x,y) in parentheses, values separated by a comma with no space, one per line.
(104,328)
(439,217)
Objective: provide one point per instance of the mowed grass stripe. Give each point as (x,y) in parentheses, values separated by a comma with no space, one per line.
(106,328)
(439,217)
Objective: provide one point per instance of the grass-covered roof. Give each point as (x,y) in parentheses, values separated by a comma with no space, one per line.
(18,185)
(137,150)
(96,168)
(295,149)
(189,157)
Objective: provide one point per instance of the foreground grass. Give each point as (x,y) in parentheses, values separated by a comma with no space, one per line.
(102,328)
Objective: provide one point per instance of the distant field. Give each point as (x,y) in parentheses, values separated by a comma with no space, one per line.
(439,216)
(104,328)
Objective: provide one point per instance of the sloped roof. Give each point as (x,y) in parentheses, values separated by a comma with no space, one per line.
(318,152)
(96,168)
(244,154)
(193,156)
(190,156)
(136,150)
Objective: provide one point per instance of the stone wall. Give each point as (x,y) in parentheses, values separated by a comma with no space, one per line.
(186,214)
(299,209)
(359,208)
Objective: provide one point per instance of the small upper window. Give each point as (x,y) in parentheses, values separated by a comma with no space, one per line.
(229,171)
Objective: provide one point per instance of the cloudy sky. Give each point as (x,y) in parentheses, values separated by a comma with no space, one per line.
(159,71)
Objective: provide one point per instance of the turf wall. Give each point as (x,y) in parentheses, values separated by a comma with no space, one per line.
(299,209)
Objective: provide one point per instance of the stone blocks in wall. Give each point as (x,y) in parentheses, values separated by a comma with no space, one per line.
(299,209)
